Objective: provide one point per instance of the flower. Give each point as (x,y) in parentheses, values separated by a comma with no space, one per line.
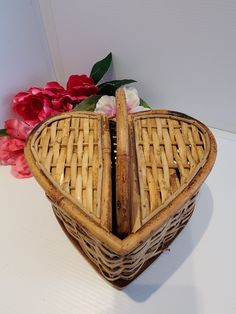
(29,106)
(20,169)
(37,104)
(12,153)
(107,104)
(33,106)
(12,147)
(53,87)
(81,86)
(63,102)
(132,99)
(18,129)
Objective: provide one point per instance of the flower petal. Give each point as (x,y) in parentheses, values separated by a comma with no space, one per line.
(54,87)
(132,98)
(81,85)
(19,97)
(17,128)
(20,169)
(10,149)
(78,80)
(107,105)
(35,90)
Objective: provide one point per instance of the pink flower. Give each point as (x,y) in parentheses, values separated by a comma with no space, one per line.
(12,153)
(18,129)
(20,169)
(12,147)
(31,106)
(37,104)
(107,104)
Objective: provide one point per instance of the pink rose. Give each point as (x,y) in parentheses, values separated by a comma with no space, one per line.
(20,169)
(37,104)
(18,129)
(31,105)
(81,86)
(12,153)
(10,149)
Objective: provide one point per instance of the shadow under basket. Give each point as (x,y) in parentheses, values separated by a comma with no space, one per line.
(122,189)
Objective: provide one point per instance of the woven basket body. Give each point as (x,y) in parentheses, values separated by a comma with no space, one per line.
(121,207)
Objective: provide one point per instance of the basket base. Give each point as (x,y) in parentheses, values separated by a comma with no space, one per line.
(120,283)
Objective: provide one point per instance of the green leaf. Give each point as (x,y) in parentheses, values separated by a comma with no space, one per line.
(3,132)
(100,68)
(109,88)
(144,104)
(88,104)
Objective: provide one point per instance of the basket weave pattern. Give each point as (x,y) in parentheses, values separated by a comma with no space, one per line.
(168,154)
(68,148)
(113,266)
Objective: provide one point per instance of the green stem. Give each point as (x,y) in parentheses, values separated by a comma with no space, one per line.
(3,132)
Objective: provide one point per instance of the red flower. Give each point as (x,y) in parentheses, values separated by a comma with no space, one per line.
(63,102)
(37,104)
(54,87)
(30,105)
(81,86)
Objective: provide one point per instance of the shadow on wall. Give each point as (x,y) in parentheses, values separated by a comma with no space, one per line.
(166,265)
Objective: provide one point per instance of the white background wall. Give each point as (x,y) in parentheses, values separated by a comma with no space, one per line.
(24,54)
(183,53)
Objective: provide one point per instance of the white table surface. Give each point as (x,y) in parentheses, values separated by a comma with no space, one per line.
(41,272)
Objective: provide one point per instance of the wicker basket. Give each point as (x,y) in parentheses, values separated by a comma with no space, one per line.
(122,189)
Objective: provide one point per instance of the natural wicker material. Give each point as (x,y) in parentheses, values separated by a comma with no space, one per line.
(121,193)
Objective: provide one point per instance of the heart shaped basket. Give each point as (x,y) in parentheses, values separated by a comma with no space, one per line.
(122,189)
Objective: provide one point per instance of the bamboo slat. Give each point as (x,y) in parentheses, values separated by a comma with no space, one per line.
(122,167)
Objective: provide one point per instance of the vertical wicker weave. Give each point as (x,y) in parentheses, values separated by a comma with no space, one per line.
(121,197)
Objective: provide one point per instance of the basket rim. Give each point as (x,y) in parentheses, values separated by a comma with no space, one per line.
(133,240)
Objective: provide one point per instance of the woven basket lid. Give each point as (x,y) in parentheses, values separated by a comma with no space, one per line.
(120,173)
